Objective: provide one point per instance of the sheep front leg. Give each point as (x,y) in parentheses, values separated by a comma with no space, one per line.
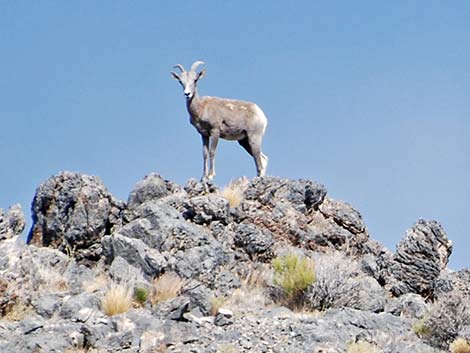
(205,155)
(213,147)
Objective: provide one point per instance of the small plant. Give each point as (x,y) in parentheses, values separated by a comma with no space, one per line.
(141,295)
(294,275)
(362,347)
(165,287)
(420,328)
(17,311)
(117,299)
(460,345)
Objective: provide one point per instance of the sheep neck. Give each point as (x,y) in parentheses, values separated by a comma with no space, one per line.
(193,105)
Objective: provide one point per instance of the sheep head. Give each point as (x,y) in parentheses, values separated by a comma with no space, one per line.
(188,79)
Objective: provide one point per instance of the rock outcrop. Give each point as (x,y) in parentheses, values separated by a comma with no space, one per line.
(84,243)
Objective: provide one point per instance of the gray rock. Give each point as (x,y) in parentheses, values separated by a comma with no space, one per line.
(121,271)
(135,252)
(412,306)
(46,305)
(257,244)
(419,259)
(12,223)
(198,188)
(207,209)
(152,187)
(199,295)
(72,305)
(72,212)
(173,309)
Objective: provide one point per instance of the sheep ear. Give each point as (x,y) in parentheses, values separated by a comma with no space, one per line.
(175,76)
(201,74)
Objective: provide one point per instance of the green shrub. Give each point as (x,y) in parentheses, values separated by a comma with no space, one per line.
(141,295)
(293,274)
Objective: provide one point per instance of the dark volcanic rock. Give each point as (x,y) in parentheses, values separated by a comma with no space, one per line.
(72,212)
(258,244)
(420,258)
(206,209)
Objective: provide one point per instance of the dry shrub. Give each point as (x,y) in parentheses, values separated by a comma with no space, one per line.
(233,192)
(117,299)
(448,315)
(362,347)
(165,287)
(51,280)
(460,345)
(338,283)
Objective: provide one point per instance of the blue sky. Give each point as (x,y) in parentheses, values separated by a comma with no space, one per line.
(370,98)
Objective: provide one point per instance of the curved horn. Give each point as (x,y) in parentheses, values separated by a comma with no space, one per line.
(179,66)
(196,64)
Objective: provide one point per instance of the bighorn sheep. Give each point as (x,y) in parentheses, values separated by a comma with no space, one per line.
(217,117)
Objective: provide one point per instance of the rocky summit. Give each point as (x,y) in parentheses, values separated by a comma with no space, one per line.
(263,265)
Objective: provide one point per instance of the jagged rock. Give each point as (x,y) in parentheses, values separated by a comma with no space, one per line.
(206,209)
(135,252)
(302,194)
(173,309)
(153,187)
(419,259)
(12,223)
(199,295)
(72,212)
(47,305)
(198,188)
(258,244)
(344,215)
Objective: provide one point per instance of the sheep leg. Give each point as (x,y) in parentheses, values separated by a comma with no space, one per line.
(213,147)
(244,143)
(205,155)
(261,160)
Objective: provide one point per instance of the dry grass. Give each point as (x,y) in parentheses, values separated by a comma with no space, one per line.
(100,282)
(165,287)
(52,280)
(251,294)
(362,347)
(117,299)
(216,304)
(234,192)
(18,311)
(460,345)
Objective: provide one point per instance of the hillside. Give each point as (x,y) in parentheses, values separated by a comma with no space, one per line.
(267,265)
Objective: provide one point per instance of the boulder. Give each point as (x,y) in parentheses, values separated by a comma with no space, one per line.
(72,212)
(420,257)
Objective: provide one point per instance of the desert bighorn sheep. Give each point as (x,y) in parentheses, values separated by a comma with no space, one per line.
(217,117)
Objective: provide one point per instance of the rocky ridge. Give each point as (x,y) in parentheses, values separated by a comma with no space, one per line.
(220,246)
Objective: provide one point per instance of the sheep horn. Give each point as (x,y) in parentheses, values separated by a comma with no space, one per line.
(179,66)
(196,64)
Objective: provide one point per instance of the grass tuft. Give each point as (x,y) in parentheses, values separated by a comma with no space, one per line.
(165,287)
(233,192)
(460,345)
(117,299)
